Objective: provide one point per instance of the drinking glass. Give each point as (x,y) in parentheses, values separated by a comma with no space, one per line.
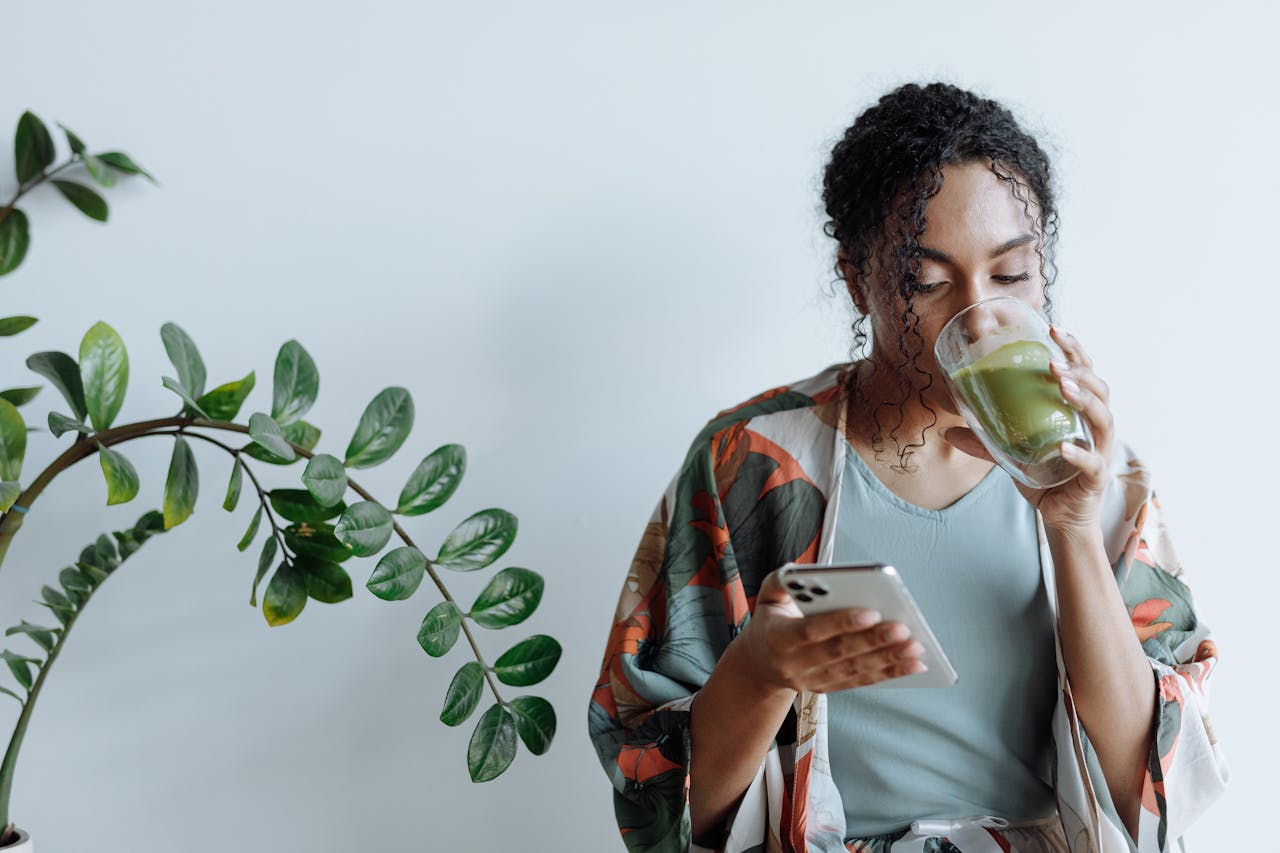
(995,356)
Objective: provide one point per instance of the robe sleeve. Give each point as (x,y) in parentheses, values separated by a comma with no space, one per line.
(669,628)
(1186,769)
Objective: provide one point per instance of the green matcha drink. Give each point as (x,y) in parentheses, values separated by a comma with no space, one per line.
(1017,401)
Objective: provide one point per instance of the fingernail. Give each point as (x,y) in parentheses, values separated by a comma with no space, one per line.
(897,632)
(912,650)
(866,617)
(1059,365)
(1070,386)
(1069,449)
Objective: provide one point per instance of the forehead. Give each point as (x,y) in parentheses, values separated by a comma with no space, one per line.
(975,207)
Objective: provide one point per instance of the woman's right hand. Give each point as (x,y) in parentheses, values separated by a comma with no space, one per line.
(823,653)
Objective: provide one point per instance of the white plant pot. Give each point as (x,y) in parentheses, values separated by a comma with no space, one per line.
(23,844)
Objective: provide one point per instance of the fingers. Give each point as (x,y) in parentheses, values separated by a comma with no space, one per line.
(1071,346)
(817,629)
(1085,399)
(864,678)
(1083,376)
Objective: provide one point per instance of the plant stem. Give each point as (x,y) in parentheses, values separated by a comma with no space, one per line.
(11,521)
(20,730)
(431,570)
(23,190)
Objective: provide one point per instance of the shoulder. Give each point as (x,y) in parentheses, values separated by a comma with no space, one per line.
(782,405)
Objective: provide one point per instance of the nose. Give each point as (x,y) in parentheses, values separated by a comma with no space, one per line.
(977,322)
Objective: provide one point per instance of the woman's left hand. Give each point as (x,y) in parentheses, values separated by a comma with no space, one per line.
(1074,505)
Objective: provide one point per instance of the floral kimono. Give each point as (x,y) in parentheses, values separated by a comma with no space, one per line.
(758,489)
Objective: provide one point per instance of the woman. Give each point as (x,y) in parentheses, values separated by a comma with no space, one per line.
(727,720)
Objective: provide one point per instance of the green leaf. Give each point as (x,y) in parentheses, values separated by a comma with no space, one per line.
(440,628)
(185,358)
(75,582)
(60,423)
(76,143)
(301,433)
(509,599)
(299,505)
(325,478)
(398,574)
(104,371)
(297,382)
(121,162)
(62,370)
(52,596)
(20,396)
(10,326)
(535,721)
(98,170)
(15,239)
(266,433)
(316,541)
(44,637)
(286,595)
(93,573)
(493,744)
(233,486)
(121,476)
(13,441)
(265,558)
(463,694)
(365,527)
(8,692)
(176,387)
(528,661)
(247,539)
(63,614)
(20,667)
(326,581)
(33,150)
(9,493)
(434,480)
(87,201)
(478,541)
(223,403)
(77,591)
(383,427)
(181,486)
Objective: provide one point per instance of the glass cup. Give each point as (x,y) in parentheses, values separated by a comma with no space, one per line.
(995,356)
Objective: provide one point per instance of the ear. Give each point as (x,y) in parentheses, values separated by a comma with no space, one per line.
(854,281)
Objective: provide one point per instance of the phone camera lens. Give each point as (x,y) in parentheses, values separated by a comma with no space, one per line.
(800,596)
(796,585)
(819,590)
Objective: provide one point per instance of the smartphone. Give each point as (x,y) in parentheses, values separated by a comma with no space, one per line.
(840,586)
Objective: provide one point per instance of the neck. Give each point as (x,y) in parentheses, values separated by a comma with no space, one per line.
(877,402)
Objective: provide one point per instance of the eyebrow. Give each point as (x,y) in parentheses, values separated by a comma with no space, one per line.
(935,255)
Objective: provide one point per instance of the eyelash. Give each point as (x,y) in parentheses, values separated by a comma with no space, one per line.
(1003,279)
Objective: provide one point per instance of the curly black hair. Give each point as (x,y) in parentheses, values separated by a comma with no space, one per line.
(880,177)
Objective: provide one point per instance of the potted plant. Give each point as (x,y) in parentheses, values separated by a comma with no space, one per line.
(308,532)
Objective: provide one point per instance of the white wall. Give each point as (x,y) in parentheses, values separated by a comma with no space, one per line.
(574,232)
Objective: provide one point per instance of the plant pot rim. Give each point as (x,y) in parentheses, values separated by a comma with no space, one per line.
(23,836)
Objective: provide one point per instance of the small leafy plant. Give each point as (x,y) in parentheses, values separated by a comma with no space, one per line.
(311,531)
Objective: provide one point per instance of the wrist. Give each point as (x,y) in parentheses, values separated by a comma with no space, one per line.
(1074,535)
(742,664)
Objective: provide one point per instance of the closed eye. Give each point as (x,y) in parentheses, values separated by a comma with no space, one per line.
(1012,279)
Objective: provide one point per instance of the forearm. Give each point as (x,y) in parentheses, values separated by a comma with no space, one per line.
(732,724)
(1111,679)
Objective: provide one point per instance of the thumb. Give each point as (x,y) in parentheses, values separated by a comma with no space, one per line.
(772,591)
(963,438)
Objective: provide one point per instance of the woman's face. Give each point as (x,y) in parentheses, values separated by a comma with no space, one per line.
(979,242)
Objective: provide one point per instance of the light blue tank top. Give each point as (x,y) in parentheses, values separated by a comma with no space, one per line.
(982,745)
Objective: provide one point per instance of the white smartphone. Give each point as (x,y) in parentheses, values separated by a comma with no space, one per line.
(822,588)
